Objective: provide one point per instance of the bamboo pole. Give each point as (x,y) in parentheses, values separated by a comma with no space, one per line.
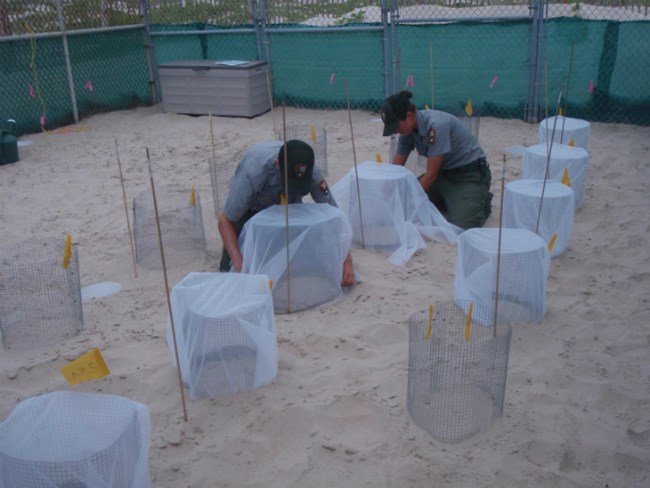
(548,164)
(286,208)
(566,98)
(213,170)
(270,92)
(356,171)
(496,286)
(126,209)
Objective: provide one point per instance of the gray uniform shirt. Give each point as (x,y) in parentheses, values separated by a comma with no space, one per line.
(256,184)
(440,133)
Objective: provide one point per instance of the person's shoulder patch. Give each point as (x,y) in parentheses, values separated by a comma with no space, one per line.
(324,188)
(431,136)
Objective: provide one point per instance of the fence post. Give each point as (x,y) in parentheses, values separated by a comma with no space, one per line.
(535,49)
(154,80)
(68,65)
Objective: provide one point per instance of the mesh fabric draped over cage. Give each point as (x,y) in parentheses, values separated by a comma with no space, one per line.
(181,227)
(521,210)
(73,439)
(574,159)
(225,333)
(40,299)
(524,264)
(563,130)
(395,211)
(315,136)
(319,241)
(456,387)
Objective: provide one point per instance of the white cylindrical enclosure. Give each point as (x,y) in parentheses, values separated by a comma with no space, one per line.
(566,129)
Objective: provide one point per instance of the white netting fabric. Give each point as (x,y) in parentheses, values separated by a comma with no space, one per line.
(395,211)
(72,439)
(319,241)
(521,210)
(457,375)
(181,227)
(523,273)
(566,129)
(315,136)
(40,299)
(574,159)
(225,333)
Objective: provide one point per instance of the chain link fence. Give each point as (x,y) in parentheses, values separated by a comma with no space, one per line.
(63,60)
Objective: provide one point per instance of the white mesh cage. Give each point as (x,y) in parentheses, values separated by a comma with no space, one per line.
(225,333)
(574,159)
(416,163)
(73,439)
(524,263)
(395,211)
(315,136)
(457,370)
(563,130)
(40,297)
(319,241)
(181,227)
(523,201)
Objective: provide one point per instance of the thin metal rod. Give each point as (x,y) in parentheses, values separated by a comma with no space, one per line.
(270,91)
(169,303)
(496,286)
(356,171)
(548,164)
(566,98)
(286,207)
(213,170)
(431,72)
(126,210)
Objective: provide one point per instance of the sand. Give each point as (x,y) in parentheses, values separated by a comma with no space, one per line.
(576,413)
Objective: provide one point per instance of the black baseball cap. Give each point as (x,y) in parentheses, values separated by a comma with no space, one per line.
(300,159)
(394,109)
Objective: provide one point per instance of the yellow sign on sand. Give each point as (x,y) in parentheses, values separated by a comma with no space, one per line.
(378,158)
(193,197)
(565,177)
(88,366)
(67,252)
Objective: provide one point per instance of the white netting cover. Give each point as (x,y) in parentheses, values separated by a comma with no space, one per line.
(181,227)
(75,440)
(523,273)
(521,210)
(225,333)
(574,159)
(566,128)
(315,136)
(396,212)
(319,241)
(40,299)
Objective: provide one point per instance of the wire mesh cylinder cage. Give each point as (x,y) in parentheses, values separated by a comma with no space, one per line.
(75,439)
(40,293)
(472,122)
(416,163)
(181,227)
(315,136)
(457,370)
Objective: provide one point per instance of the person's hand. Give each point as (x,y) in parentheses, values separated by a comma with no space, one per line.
(348,272)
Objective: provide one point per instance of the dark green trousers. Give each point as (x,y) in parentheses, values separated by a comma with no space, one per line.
(226,263)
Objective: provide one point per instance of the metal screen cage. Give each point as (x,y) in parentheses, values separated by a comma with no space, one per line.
(457,370)
(316,137)
(40,295)
(181,227)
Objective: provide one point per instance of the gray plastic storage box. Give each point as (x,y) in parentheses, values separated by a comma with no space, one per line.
(223,87)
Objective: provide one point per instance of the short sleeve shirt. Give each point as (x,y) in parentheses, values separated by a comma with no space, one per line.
(441,134)
(256,184)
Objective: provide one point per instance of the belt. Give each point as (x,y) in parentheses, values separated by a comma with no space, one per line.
(468,168)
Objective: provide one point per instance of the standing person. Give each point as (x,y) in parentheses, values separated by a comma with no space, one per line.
(457,177)
(258,183)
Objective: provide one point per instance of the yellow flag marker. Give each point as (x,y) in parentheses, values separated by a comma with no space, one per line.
(468,323)
(426,107)
(271,284)
(283,200)
(468,108)
(430,326)
(67,252)
(565,177)
(551,243)
(88,366)
(193,197)
(378,158)
(572,143)
(313,134)
(559,111)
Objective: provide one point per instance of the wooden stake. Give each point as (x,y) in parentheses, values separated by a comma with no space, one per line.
(126,210)
(270,91)
(356,171)
(548,164)
(496,286)
(169,303)
(213,171)
(431,72)
(286,209)
(566,98)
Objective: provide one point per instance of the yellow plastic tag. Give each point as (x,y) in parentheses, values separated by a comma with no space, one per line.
(313,134)
(551,243)
(572,143)
(468,323)
(283,200)
(88,366)
(559,111)
(378,158)
(67,252)
(193,197)
(565,177)
(468,108)
(430,326)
